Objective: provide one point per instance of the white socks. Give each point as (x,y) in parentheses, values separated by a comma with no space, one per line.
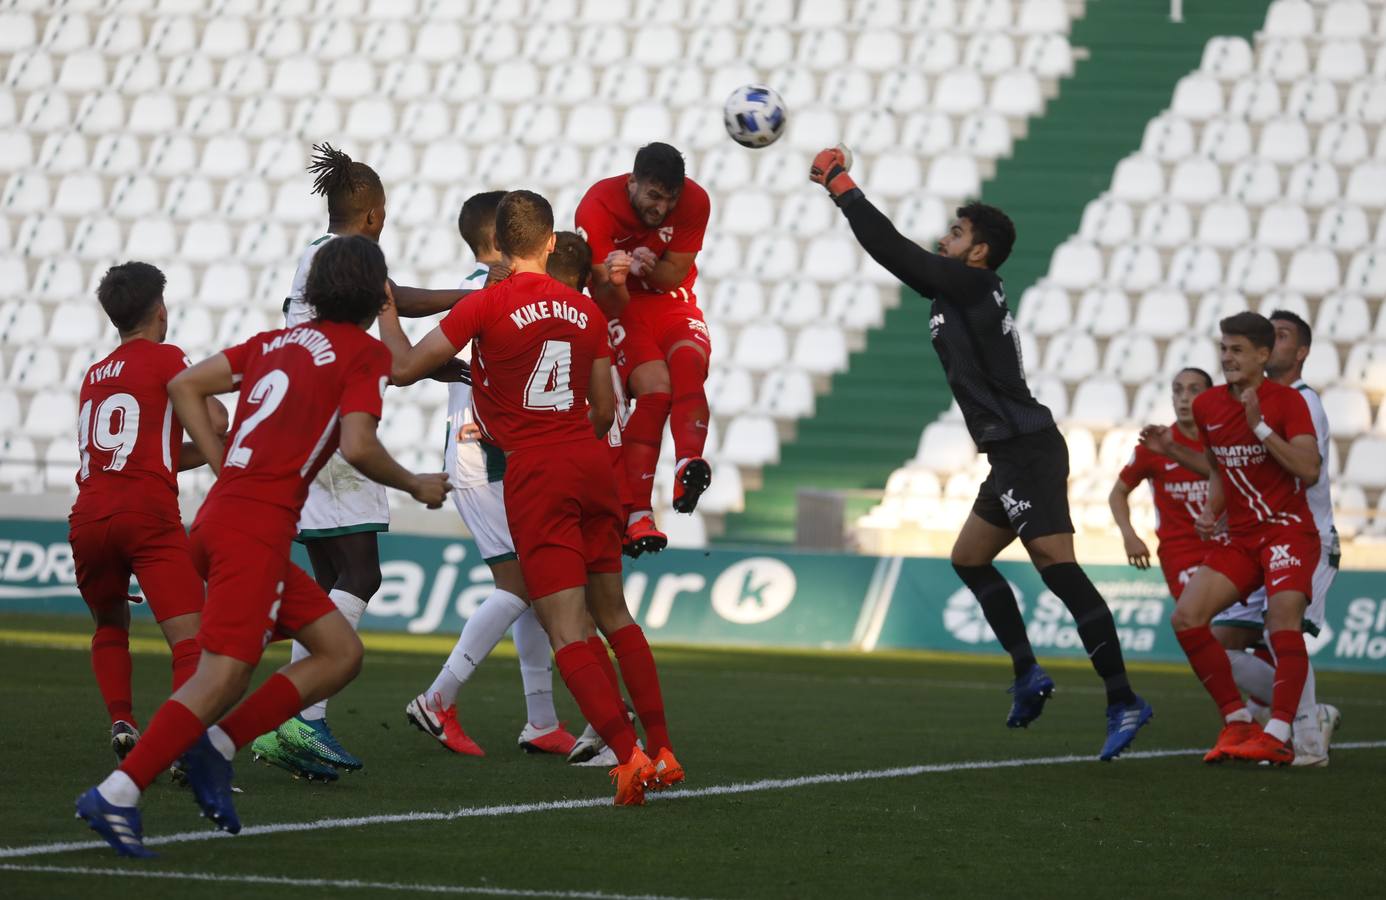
(1254,676)
(536,670)
(479,637)
(222,741)
(1238,715)
(119,789)
(352,608)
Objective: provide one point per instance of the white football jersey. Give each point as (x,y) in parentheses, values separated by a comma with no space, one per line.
(464,458)
(296,309)
(1320,495)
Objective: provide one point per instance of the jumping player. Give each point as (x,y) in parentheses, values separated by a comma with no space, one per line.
(1026,493)
(477,470)
(1179,492)
(335,374)
(125,520)
(344,512)
(541,370)
(646,229)
(1261,449)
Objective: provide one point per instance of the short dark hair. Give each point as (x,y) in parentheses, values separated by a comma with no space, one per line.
(346,282)
(477,221)
(660,163)
(524,222)
(1207,379)
(1306,334)
(350,187)
(129,293)
(571,260)
(1252,326)
(992,227)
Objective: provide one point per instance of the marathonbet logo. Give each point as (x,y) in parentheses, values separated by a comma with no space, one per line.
(1281,558)
(1013,506)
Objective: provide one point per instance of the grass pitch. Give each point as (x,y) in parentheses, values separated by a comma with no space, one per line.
(1025,822)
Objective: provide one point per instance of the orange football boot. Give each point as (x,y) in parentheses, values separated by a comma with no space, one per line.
(1262,747)
(629,779)
(667,771)
(1232,734)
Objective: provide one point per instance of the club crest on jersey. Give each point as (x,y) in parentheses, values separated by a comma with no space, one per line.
(1013,506)
(1281,558)
(666,234)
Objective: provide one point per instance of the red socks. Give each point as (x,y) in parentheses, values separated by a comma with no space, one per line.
(598,700)
(598,648)
(1210,664)
(171,732)
(689,416)
(186,654)
(1292,667)
(640,446)
(272,705)
(642,682)
(110,662)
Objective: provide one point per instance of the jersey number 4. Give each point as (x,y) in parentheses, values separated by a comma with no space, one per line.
(549,385)
(113,430)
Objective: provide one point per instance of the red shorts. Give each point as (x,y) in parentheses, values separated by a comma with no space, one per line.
(254,593)
(1179,563)
(106,552)
(564,516)
(1282,559)
(649,327)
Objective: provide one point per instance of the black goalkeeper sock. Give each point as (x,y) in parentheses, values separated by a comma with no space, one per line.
(1095,626)
(998,604)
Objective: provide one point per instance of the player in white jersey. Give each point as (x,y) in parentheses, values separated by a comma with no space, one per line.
(477,470)
(1240,627)
(345,510)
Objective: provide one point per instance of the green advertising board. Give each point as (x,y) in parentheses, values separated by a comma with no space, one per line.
(768,598)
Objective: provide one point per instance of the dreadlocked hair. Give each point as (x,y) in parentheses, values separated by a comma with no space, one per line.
(350,187)
(346,281)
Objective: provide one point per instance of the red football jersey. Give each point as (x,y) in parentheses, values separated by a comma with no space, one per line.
(1258,489)
(296,385)
(534,341)
(1179,492)
(608,222)
(127,435)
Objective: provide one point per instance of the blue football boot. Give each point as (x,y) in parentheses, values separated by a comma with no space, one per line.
(1123,721)
(1030,690)
(119,825)
(209,776)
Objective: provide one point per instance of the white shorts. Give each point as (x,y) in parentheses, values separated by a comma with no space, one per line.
(1252,613)
(342,501)
(483,512)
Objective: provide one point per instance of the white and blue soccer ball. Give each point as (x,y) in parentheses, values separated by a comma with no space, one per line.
(755,116)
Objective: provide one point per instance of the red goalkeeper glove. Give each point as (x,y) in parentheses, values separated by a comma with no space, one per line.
(830,170)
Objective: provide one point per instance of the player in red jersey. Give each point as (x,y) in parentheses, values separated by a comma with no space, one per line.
(125,520)
(303,390)
(646,228)
(1262,452)
(1180,492)
(542,392)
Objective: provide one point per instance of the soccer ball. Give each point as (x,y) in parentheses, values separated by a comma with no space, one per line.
(755,116)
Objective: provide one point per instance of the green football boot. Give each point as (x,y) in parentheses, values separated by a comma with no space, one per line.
(315,739)
(267,749)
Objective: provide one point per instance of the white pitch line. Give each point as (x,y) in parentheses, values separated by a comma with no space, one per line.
(349,883)
(513,809)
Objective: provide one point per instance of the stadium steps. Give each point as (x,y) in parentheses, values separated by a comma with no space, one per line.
(870,419)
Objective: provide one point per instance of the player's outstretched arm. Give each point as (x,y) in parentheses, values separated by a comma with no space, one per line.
(663,273)
(1299,455)
(189,390)
(410,363)
(416,303)
(1157,438)
(601,397)
(360,446)
(189,457)
(1137,553)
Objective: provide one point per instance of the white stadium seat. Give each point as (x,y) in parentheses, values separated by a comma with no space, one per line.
(1313,271)
(1195,180)
(1076,264)
(1132,358)
(1099,400)
(1344,227)
(1253,270)
(1367,271)
(751,440)
(1044,309)
(1071,356)
(1341,61)
(1225,140)
(1102,311)
(1197,97)
(1255,182)
(1166,224)
(1367,184)
(1138,178)
(1366,463)
(1162,313)
(1284,140)
(1314,183)
(1107,221)
(1255,98)
(1342,142)
(1283,226)
(1227,58)
(1349,413)
(1168,138)
(945,447)
(1345,19)
(1224,224)
(1135,267)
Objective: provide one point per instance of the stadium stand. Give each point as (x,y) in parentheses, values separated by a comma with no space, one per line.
(177,133)
(1257,188)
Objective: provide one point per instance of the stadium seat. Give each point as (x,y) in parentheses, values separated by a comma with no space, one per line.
(877,50)
(1344,227)
(1313,183)
(1132,358)
(1197,97)
(21,322)
(1323,365)
(1253,270)
(855,306)
(1366,101)
(35,368)
(40,235)
(1196,180)
(1367,185)
(1349,413)
(1255,182)
(761,347)
(58,278)
(1283,226)
(1102,311)
(1343,317)
(1341,61)
(1366,272)
(934,52)
(1052,393)
(1076,264)
(18,456)
(1099,401)
(1045,309)
(901,91)
(1224,224)
(785,394)
(1168,138)
(925,133)
(1071,356)
(1366,462)
(1365,366)
(796,303)
(751,440)
(1285,60)
(1135,267)
(1255,98)
(1048,56)
(959,92)
(82,71)
(1162,313)
(737,301)
(1313,271)
(51,414)
(1166,223)
(1225,140)
(1196,350)
(1284,141)
(1017,95)
(1138,178)
(945,447)
(1227,58)
(820,349)
(26,192)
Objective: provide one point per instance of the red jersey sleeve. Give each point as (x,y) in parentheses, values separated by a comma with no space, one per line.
(364,390)
(173,360)
(463,321)
(240,355)
(1138,469)
(595,225)
(1290,417)
(694,209)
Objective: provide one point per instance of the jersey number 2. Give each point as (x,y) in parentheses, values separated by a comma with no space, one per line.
(549,385)
(114,429)
(267,394)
